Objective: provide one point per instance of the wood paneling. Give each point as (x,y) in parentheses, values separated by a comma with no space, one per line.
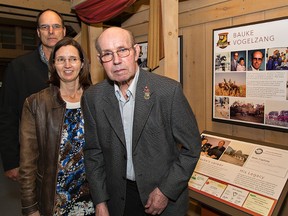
(30,13)
(226,9)
(141,16)
(197,19)
(139,30)
(188,6)
(62,6)
(170,37)
(97,71)
(194,67)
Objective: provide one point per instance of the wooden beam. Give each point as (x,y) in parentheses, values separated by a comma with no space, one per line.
(97,71)
(138,18)
(62,6)
(170,35)
(194,5)
(87,38)
(12,53)
(74,3)
(223,10)
(27,14)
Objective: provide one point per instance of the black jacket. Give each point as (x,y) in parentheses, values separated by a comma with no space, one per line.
(23,76)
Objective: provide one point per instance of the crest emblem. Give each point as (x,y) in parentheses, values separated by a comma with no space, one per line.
(223,40)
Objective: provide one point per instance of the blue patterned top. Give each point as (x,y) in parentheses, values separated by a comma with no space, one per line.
(72,192)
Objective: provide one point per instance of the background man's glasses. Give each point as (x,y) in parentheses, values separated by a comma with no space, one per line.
(109,55)
(61,60)
(45,27)
(257,59)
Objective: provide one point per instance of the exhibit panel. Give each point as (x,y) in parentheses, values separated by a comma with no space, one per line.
(245,175)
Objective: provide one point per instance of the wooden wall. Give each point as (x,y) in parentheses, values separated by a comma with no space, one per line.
(197,19)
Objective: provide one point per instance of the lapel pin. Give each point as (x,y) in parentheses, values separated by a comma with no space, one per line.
(146,93)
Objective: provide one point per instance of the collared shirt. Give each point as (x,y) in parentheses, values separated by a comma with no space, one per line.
(254,69)
(43,58)
(127,115)
(42,55)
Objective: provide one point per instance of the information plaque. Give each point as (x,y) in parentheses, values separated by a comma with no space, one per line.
(250,177)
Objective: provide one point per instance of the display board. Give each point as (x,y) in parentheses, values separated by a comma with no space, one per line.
(250,75)
(241,175)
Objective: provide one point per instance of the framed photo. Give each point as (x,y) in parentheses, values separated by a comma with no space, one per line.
(250,75)
(142,60)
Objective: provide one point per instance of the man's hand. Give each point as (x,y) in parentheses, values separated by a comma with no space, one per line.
(13,174)
(156,203)
(101,210)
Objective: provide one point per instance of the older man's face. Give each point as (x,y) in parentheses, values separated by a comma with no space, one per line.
(257,60)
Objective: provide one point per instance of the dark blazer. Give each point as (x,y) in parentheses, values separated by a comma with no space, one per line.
(161,124)
(23,76)
(233,65)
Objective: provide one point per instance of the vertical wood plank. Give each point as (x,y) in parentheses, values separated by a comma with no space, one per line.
(97,71)
(170,36)
(194,71)
(154,34)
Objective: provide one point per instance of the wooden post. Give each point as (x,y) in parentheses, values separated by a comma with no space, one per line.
(154,34)
(170,35)
(97,71)
(84,39)
(87,39)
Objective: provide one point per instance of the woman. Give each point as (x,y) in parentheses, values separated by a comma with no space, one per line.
(241,65)
(52,173)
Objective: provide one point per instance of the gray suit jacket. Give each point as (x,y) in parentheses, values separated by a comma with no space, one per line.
(161,123)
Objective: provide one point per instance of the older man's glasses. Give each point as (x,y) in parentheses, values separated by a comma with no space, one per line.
(46,27)
(71,59)
(107,56)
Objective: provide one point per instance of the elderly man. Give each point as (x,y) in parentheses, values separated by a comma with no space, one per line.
(256,60)
(142,139)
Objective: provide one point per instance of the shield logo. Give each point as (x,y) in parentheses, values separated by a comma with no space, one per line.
(223,40)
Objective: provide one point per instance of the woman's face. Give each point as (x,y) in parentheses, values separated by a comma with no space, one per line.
(68,64)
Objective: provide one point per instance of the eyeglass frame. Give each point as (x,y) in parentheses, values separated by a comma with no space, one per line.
(46,27)
(71,59)
(112,53)
(257,59)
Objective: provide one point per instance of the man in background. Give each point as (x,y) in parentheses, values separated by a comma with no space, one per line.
(24,76)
